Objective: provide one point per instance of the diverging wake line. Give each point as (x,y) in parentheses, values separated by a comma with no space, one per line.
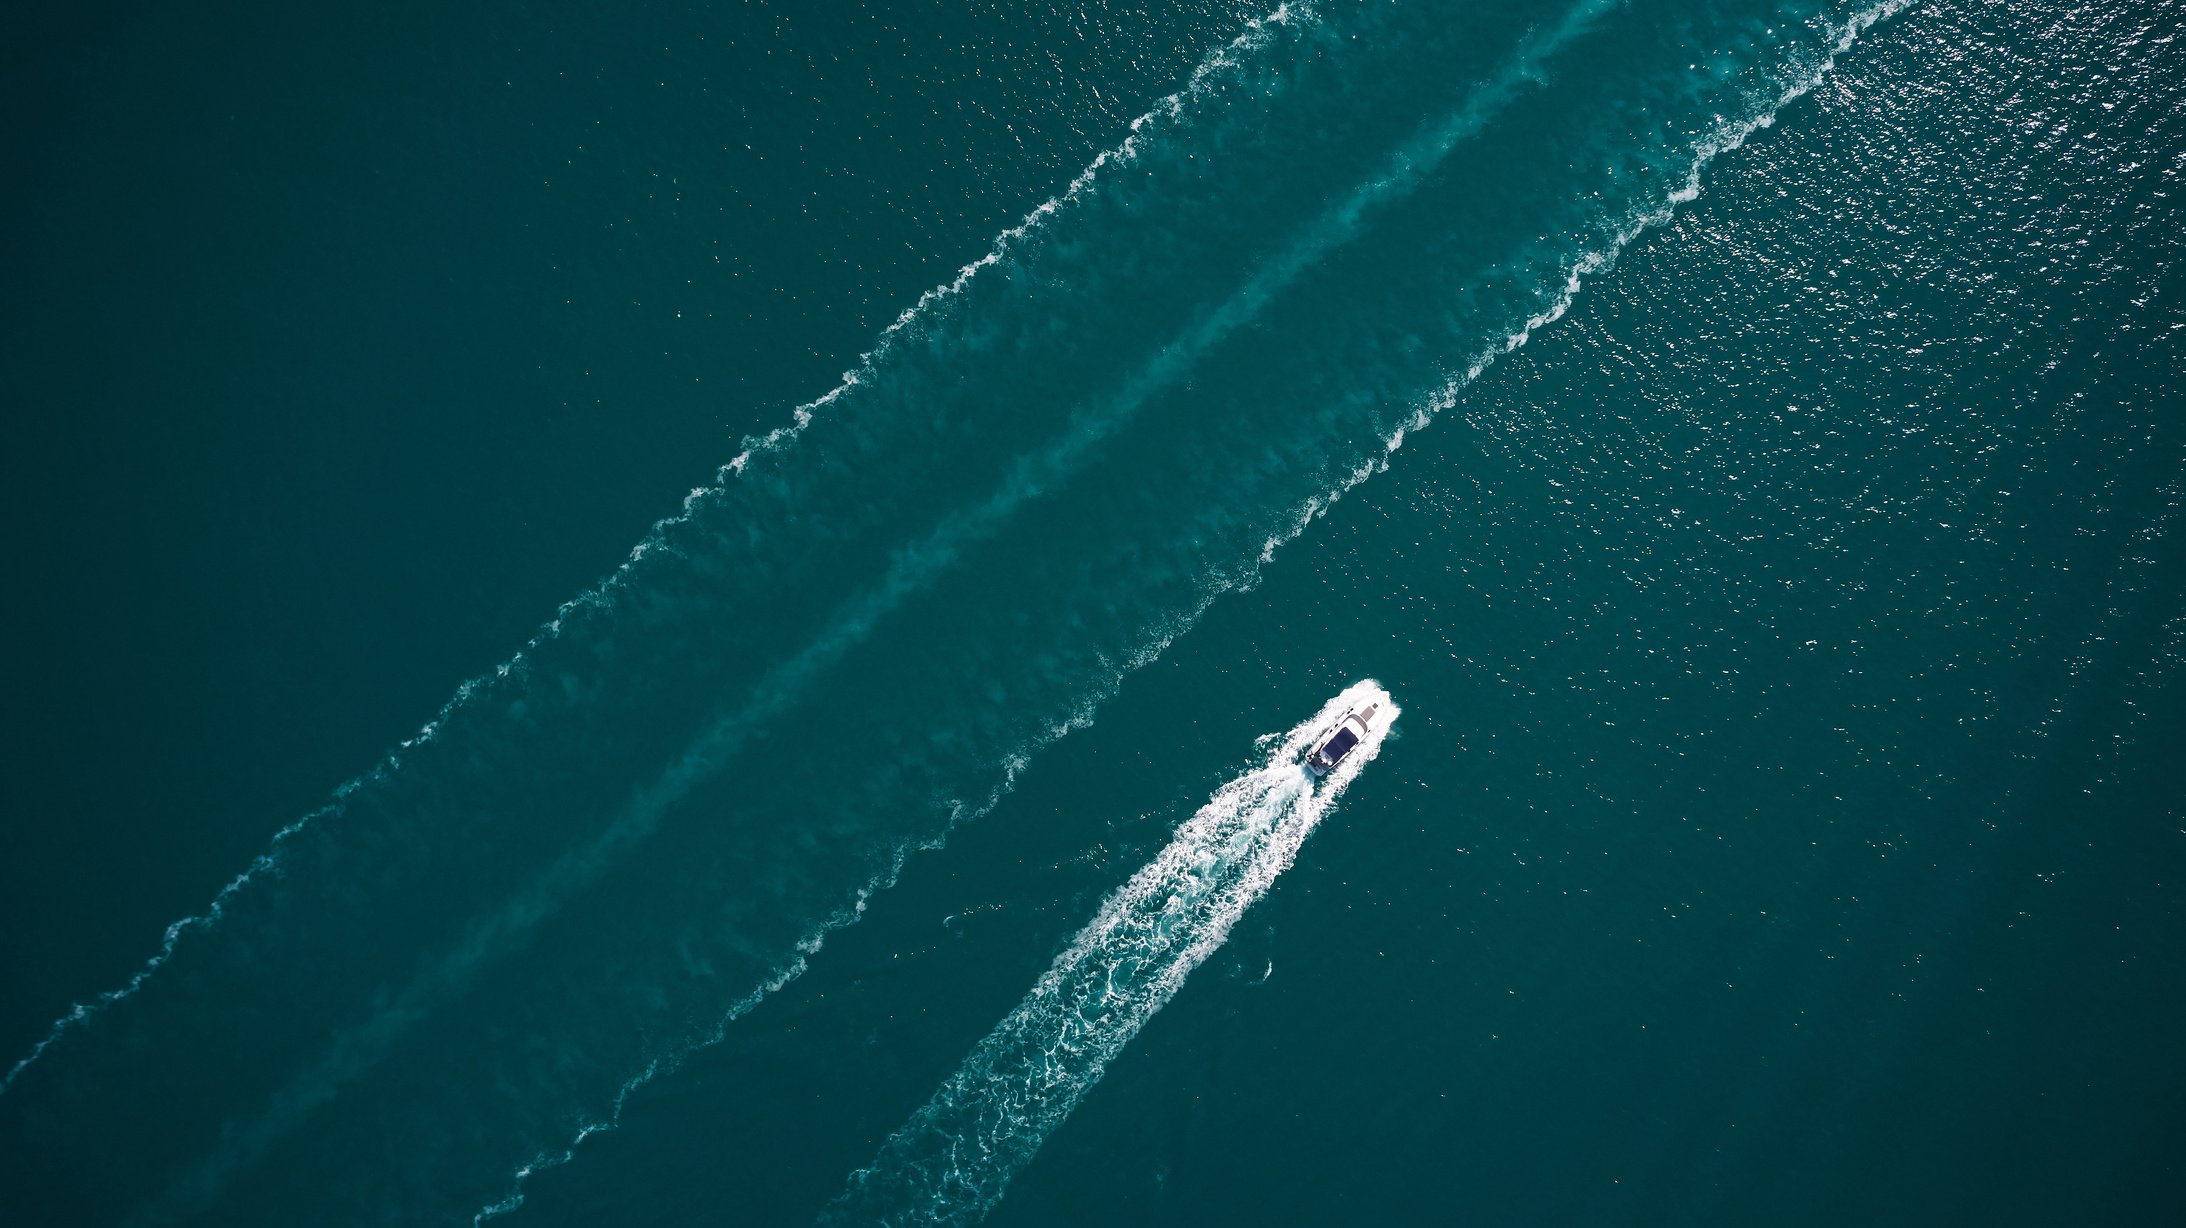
(912,571)
(952,1161)
(666,538)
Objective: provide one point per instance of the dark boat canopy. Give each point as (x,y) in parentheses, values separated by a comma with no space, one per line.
(1336,748)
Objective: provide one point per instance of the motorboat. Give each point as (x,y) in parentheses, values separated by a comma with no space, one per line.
(1340,740)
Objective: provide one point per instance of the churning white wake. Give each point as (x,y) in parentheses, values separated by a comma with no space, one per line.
(952,1161)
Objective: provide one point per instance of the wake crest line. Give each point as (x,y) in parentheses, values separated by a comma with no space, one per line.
(1725,139)
(809,946)
(359,1048)
(960,813)
(911,572)
(1728,136)
(83,1012)
(952,1162)
(1170,108)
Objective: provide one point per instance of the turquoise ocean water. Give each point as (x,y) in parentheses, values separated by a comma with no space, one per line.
(1745,438)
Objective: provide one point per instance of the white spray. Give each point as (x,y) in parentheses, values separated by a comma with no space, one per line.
(952,1161)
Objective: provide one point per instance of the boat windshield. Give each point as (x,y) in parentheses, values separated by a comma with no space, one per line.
(1337,747)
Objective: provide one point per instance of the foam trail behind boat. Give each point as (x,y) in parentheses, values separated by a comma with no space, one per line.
(952,1161)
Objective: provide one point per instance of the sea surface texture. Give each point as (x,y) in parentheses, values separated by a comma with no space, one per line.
(1748,435)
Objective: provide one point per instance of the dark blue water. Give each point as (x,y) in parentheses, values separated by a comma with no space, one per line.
(1744,439)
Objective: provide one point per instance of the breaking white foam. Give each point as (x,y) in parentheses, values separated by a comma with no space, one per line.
(952,1161)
